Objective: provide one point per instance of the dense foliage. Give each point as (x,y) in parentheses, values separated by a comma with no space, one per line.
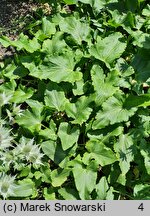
(74,104)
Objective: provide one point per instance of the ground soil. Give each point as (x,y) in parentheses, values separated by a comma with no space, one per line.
(14,16)
(11,11)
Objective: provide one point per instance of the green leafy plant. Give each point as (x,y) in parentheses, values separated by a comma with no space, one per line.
(74,104)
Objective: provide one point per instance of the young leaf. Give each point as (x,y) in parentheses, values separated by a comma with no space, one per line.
(55,97)
(59,176)
(125,152)
(48,27)
(102,190)
(78,87)
(68,136)
(103,88)
(54,46)
(122,179)
(75,110)
(7,89)
(22,94)
(48,134)
(31,120)
(102,154)
(80,31)
(85,179)
(55,152)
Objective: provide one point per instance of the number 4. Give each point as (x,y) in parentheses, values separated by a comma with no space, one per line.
(141,207)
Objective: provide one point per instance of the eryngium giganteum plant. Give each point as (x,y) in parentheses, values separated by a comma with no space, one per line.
(5,138)
(29,151)
(7,185)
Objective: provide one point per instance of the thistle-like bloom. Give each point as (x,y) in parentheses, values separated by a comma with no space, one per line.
(17,110)
(5,138)
(7,185)
(7,158)
(30,152)
(4,99)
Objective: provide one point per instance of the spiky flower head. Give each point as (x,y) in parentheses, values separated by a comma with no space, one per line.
(5,138)
(30,152)
(7,185)
(4,98)
(17,110)
(7,158)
